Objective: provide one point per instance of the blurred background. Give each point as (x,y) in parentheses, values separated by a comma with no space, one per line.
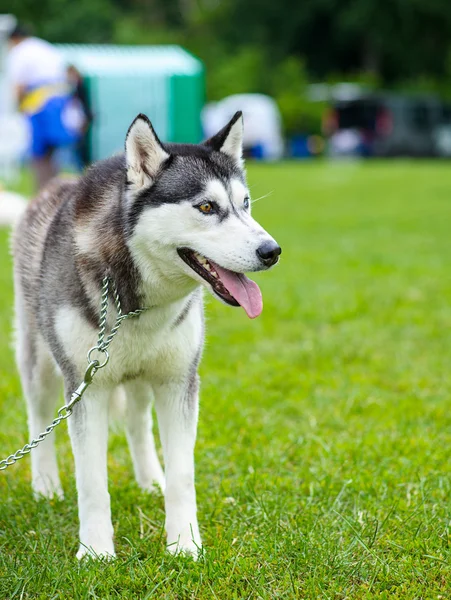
(321,77)
(323,449)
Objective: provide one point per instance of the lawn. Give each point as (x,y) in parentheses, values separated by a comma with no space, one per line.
(324,444)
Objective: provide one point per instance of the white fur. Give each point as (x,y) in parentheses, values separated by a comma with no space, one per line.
(178,436)
(233,144)
(239,193)
(42,395)
(215,190)
(138,426)
(86,237)
(231,243)
(144,154)
(42,387)
(163,365)
(89,446)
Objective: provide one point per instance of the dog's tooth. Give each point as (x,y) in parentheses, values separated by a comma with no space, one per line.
(207,266)
(214,274)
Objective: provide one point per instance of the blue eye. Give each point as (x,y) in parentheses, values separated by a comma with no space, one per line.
(246,203)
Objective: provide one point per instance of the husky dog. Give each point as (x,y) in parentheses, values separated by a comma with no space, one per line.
(162,221)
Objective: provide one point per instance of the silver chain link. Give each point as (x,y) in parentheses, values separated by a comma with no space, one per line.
(93,366)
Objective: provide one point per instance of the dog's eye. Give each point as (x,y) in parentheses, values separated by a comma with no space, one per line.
(246,203)
(206,207)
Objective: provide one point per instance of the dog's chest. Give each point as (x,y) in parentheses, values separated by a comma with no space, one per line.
(153,346)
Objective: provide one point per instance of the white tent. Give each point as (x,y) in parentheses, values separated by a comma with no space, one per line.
(262,122)
(13,129)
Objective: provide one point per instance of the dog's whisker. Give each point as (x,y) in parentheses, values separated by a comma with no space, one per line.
(261,197)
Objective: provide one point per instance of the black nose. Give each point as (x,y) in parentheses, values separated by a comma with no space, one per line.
(269,252)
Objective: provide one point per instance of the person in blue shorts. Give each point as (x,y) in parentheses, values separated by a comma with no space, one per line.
(38,75)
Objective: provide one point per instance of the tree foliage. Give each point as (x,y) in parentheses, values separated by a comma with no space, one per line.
(267,46)
(398,39)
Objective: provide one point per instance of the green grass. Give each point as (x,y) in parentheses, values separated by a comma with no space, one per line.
(324,444)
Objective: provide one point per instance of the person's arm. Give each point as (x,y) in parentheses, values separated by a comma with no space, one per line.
(19,91)
(17,71)
(85,102)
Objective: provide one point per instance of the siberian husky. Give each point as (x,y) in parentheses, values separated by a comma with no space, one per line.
(162,221)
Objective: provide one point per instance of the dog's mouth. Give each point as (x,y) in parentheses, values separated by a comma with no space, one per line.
(233,288)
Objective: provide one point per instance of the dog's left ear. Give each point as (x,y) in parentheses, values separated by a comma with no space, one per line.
(230,139)
(144,153)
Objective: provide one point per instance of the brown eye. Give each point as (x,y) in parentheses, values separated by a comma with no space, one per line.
(205,207)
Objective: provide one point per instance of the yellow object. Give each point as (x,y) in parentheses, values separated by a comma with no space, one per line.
(34,101)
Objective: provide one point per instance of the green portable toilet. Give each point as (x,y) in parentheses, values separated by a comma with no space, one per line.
(164,82)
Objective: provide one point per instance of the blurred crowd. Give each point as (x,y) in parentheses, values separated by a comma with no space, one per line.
(52,96)
(293,119)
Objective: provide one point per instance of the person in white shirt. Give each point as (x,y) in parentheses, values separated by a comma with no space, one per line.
(38,75)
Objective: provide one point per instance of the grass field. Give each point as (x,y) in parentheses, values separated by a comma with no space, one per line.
(324,446)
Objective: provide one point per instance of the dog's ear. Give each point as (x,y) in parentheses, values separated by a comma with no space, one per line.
(144,153)
(230,139)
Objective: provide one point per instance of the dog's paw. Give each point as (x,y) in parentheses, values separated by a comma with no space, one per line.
(47,487)
(153,486)
(187,547)
(97,552)
(96,538)
(151,478)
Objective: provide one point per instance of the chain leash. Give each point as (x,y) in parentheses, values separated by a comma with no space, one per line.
(94,365)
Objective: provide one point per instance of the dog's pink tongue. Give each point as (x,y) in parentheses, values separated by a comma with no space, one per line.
(245,291)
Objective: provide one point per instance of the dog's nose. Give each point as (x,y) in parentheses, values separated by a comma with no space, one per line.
(269,252)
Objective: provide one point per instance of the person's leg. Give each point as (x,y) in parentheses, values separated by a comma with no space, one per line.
(44,168)
(42,163)
(85,148)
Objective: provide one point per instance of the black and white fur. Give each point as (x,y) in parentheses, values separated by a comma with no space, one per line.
(127,217)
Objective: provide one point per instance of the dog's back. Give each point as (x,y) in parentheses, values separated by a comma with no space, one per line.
(30,234)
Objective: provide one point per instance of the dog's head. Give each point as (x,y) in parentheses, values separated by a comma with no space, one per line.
(189,210)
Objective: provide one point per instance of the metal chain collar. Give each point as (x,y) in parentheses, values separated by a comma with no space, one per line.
(94,364)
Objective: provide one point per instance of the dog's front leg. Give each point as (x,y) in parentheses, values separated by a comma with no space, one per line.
(88,428)
(177,410)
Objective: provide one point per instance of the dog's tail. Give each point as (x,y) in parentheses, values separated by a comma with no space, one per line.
(12,206)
